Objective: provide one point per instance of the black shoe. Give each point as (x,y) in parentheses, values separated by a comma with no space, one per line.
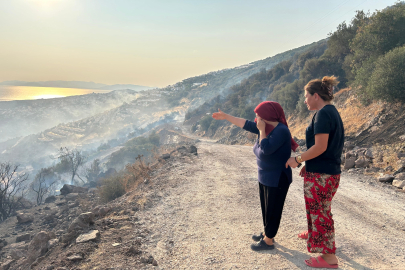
(261,245)
(257,237)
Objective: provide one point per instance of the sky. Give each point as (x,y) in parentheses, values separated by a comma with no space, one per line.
(157,42)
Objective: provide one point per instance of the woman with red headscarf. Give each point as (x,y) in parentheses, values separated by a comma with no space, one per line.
(272,150)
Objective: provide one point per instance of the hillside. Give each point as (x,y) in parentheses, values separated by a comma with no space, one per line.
(166,186)
(24,117)
(200,211)
(367,55)
(197,90)
(38,128)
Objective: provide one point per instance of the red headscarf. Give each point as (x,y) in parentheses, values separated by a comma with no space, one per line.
(272,111)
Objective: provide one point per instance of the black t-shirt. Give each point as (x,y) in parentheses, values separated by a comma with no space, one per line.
(326,121)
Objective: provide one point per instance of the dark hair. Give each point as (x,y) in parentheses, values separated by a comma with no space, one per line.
(324,87)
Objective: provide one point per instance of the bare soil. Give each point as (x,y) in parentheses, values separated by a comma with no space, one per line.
(199,212)
(210,207)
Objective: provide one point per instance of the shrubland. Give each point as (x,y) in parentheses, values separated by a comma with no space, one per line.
(367,55)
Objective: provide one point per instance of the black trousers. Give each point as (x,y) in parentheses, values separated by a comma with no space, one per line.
(272,203)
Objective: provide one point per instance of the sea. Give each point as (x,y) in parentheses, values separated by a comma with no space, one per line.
(8,93)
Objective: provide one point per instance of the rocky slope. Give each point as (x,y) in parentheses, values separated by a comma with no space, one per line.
(198,212)
(375,137)
(24,117)
(76,228)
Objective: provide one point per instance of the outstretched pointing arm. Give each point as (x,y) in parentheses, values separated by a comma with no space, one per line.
(220,115)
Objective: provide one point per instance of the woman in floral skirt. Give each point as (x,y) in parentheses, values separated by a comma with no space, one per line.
(324,139)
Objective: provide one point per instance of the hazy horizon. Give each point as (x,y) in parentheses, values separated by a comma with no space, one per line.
(156,43)
(13,92)
(66,84)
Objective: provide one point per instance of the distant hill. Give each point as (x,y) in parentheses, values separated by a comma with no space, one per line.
(195,91)
(78,84)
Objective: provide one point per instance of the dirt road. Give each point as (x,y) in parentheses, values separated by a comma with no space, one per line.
(210,208)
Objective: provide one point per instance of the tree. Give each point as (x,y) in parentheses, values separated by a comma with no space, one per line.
(154,138)
(93,171)
(387,81)
(43,183)
(382,32)
(301,107)
(12,189)
(74,158)
(339,41)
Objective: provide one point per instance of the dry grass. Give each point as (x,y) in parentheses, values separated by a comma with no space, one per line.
(136,173)
(141,202)
(354,115)
(118,185)
(111,188)
(133,175)
(388,155)
(298,126)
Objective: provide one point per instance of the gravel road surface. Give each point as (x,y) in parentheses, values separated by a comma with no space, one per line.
(210,208)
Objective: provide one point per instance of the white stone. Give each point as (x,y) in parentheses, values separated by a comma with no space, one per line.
(400,176)
(90,236)
(52,243)
(398,183)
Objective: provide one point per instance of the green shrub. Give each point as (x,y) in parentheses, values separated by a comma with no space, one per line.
(248,112)
(302,107)
(387,81)
(154,138)
(205,122)
(215,125)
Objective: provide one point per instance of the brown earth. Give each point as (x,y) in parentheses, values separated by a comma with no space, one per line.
(199,212)
(365,126)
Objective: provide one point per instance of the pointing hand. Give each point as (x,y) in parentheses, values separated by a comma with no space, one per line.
(220,115)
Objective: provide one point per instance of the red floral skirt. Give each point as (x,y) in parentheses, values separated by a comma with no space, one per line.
(319,189)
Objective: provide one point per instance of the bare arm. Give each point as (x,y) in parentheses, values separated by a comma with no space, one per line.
(220,115)
(321,143)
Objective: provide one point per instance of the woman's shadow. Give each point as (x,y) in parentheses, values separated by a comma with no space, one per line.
(298,258)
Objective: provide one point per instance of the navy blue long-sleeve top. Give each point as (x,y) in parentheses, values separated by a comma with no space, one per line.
(272,153)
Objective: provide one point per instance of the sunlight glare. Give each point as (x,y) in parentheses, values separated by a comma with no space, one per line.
(47,96)
(46,3)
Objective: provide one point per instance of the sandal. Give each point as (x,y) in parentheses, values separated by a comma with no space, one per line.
(319,262)
(303,235)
